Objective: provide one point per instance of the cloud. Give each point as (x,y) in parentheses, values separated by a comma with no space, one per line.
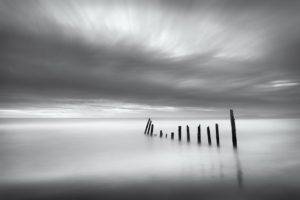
(198,54)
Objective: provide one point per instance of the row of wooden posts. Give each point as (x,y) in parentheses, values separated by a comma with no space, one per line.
(150,129)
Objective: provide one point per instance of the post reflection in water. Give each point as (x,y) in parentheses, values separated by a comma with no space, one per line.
(239,169)
(237,165)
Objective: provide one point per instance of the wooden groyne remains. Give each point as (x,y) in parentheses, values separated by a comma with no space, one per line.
(149,129)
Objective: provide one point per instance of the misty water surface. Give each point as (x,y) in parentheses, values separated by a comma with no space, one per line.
(113,159)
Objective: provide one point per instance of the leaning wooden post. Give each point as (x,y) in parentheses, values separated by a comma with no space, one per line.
(179,133)
(160,133)
(147,126)
(233,129)
(217,135)
(208,136)
(188,139)
(172,135)
(199,134)
(152,127)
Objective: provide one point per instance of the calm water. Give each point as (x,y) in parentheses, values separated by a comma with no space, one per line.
(113,159)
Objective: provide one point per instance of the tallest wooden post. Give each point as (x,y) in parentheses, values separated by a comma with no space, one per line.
(233,129)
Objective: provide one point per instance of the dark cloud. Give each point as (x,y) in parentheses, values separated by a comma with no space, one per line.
(186,55)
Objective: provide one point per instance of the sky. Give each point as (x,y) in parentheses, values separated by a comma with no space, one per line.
(168,58)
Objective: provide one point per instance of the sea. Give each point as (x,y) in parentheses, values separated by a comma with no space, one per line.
(113,159)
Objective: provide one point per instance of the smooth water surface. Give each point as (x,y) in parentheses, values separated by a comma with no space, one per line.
(113,159)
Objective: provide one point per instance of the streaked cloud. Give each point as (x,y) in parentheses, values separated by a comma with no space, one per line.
(283,83)
(138,58)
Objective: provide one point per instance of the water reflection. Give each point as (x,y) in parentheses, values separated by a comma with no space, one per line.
(239,169)
(237,165)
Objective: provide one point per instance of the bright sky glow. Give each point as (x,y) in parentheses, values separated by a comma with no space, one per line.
(148,27)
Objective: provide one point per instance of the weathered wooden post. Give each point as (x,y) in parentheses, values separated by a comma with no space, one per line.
(172,135)
(147,126)
(233,129)
(166,135)
(160,133)
(208,136)
(188,139)
(199,134)
(179,133)
(152,127)
(217,135)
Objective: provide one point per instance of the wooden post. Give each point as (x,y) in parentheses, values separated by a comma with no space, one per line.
(233,129)
(179,133)
(188,139)
(199,134)
(166,135)
(152,127)
(172,135)
(160,133)
(147,126)
(217,135)
(208,136)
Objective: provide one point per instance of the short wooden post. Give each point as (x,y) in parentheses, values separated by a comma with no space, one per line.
(160,133)
(233,129)
(147,126)
(188,139)
(208,136)
(152,127)
(199,134)
(166,135)
(172,135)
(179,133)
(217,135)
